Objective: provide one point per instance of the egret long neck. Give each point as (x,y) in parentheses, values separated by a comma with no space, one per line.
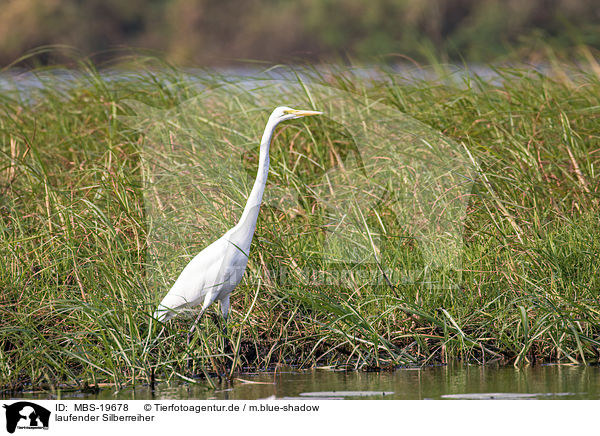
(250,215)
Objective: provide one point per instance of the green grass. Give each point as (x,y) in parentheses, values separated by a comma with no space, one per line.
(79,229)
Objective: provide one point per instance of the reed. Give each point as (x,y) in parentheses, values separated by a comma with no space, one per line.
(77,294)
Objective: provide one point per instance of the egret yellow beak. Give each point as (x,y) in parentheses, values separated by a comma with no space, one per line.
(300,113)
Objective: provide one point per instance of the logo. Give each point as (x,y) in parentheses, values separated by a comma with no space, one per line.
(390,183)
(26,415)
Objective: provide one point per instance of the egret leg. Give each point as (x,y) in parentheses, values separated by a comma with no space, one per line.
(225,308)
(225,312)
(228,345)
(189,336)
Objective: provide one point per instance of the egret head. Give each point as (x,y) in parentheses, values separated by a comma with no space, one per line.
(283,113)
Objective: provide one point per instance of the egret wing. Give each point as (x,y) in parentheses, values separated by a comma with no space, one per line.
(198,278)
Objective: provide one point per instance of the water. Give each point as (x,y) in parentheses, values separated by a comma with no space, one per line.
(23,81)
(445,382)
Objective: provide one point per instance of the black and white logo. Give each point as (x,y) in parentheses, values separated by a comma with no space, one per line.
(26,415)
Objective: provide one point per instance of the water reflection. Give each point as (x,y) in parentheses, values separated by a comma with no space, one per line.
(444,382)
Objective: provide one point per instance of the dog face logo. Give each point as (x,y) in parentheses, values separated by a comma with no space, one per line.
(24,414)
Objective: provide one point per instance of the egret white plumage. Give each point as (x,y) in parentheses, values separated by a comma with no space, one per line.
(217,270)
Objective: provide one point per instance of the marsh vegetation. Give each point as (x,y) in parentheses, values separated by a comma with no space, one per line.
(77,293)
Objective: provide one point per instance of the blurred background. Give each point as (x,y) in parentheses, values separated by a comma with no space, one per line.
(222,32)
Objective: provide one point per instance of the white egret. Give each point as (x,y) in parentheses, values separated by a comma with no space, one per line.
(216,271)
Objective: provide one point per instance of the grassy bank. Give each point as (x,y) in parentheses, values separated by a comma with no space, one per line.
(78,230)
